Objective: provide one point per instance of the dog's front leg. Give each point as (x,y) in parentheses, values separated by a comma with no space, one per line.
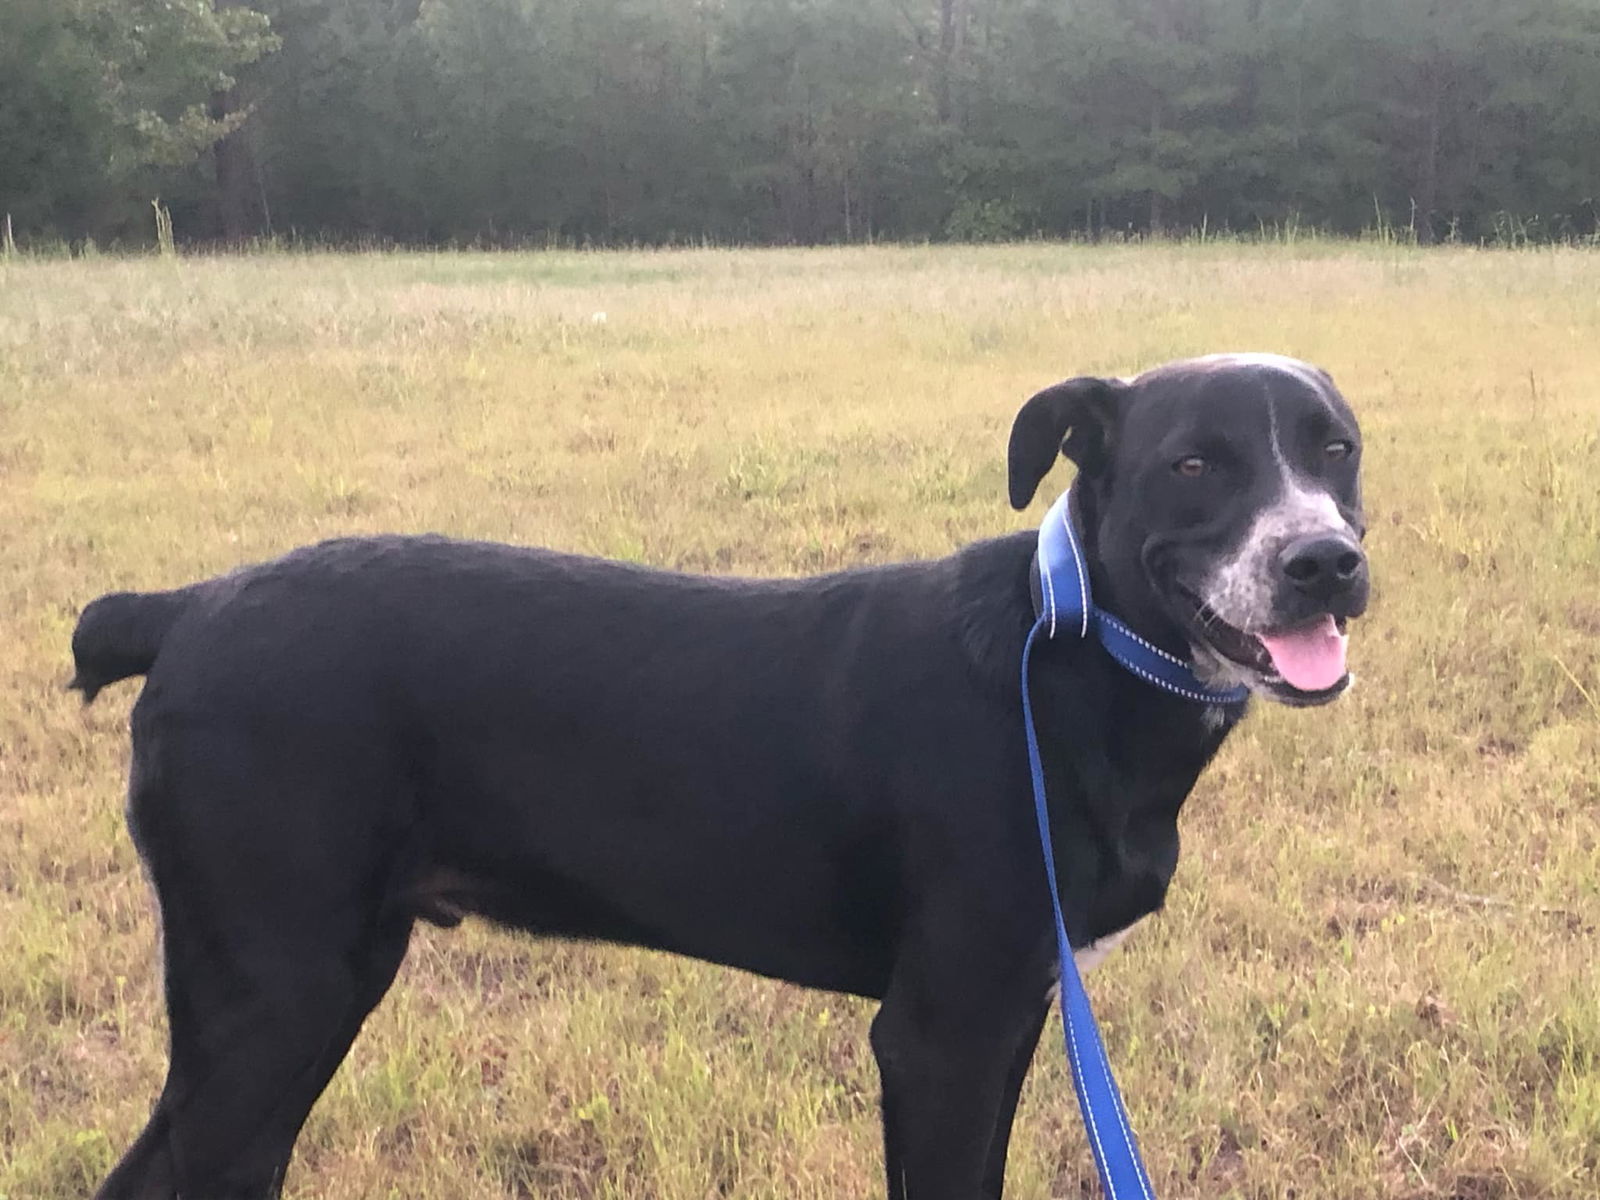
(994,1173)
(948,1051)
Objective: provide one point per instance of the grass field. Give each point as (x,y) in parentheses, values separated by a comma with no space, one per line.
(1377,975)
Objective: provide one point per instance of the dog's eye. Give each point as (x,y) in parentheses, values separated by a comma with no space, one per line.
(1191,466)
(1339,450)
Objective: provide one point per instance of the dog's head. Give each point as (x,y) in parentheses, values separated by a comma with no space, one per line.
(1220,500)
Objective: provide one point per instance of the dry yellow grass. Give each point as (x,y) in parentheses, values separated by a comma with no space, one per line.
(1377,977)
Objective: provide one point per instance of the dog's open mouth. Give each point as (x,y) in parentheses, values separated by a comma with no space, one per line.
(1300,664)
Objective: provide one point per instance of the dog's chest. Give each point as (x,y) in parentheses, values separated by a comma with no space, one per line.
(1096,952)
(1087,958)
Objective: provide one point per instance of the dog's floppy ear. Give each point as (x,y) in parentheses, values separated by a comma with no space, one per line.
(1074,418)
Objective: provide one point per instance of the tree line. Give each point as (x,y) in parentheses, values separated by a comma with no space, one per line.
(797,121)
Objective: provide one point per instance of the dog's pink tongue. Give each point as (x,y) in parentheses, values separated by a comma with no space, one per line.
(1310,658)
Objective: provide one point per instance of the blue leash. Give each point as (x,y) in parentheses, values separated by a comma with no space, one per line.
(1066,608)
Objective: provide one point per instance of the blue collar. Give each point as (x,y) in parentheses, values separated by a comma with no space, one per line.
(1066,608)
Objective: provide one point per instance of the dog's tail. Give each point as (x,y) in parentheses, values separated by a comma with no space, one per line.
(119,635)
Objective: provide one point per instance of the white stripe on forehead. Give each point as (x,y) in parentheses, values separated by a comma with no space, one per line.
(1296,499)
(1285,471)
(1295,493)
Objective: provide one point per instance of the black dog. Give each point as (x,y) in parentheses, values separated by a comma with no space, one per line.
(822,780)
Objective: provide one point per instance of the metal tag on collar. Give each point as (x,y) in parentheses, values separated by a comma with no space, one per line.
(1065,608)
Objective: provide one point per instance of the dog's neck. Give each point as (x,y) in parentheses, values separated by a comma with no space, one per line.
(1122,758)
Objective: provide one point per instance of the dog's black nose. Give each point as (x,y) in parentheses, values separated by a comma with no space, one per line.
(1323,565)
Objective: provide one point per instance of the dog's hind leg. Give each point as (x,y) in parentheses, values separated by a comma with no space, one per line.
(243,1079)
(273,962)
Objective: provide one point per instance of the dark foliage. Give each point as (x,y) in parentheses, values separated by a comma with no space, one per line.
(505,121)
